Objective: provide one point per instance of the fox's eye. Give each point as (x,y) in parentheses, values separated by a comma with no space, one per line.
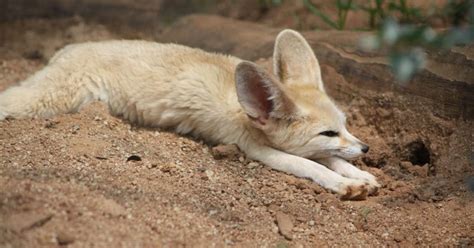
(329,133)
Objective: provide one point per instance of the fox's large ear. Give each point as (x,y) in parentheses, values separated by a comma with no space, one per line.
(259,94)
(294,61)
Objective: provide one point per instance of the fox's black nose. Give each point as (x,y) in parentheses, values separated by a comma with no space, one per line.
(365,148)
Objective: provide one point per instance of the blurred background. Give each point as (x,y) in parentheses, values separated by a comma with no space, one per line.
(298,14)
(147,18)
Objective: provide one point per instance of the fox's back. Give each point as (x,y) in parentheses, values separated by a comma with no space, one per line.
(148,83)
(141,63)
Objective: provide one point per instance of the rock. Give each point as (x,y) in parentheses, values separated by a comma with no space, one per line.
(425,194)
(290,180)
(111,207)
(204,176)
(301,184)
(75,129)
(210,175)
(226,151)
(398,236)
(376,157)
(27,220)
(406,165)
(285,225)
(421,171)
(152,165)
(64,238)
(316,188)
(384,113)
(168,168)
(252,165)
(51,124)
(394,185)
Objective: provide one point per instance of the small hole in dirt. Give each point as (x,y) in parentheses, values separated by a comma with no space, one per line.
(417,153)
(134,158)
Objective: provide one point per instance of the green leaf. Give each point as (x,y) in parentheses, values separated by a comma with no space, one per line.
(390,31)
(406,64)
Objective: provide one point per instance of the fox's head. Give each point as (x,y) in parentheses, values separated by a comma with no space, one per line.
(291,107)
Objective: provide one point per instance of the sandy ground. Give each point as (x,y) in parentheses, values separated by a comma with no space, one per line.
(74,180)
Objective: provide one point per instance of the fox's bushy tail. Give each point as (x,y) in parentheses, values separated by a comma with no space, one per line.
(48,92)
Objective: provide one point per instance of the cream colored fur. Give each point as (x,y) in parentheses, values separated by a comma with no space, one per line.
(281,120)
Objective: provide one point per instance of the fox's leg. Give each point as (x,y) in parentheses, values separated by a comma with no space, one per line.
(346,169)
(348,188)
(47,93)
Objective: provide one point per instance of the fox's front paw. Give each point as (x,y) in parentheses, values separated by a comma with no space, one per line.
(373,185)
(354,190)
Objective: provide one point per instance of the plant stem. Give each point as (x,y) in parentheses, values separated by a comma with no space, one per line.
(317,12)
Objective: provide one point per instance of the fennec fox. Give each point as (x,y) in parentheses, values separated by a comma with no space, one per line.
(284,120)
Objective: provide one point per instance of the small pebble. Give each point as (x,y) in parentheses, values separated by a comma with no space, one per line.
(285,225)
(64,238)
(225,151)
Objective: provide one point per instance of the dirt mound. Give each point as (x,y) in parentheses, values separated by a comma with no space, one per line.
(89,179)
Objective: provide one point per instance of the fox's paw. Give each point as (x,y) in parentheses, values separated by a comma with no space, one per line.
(354,190)
(373,185)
